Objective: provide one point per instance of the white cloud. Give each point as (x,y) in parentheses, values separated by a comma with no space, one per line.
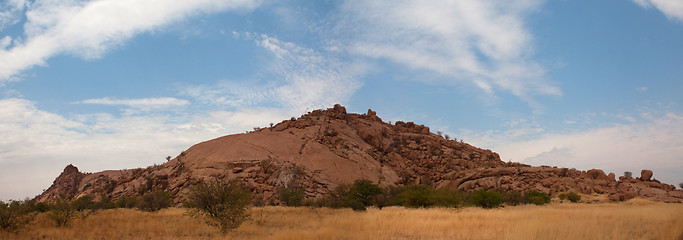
(90,28)
(295,78)
(673,9)
(645,144)
(10,12)
(482,42)
(142,104)
(35,145)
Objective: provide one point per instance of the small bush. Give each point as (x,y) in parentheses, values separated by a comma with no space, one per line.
(83,203)
(223,205)
(15,215)
(486,199)
(127,202)
(155,201)
(293,196)
(536,197)
(105,203)
(415,196)
(41,207)
(571,196)
(444,198)
(513,198)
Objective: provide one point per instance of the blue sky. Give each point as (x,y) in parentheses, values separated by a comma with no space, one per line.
(112,84)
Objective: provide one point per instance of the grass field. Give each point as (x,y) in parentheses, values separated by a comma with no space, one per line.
(634,219)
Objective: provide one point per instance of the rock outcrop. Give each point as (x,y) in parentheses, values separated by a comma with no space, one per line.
(325,148)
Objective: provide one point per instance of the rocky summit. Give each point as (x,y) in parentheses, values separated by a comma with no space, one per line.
(325,148)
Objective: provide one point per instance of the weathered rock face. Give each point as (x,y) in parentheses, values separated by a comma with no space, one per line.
(323,149)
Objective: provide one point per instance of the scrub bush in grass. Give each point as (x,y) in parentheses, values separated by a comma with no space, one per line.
(15,215)
(536,197)
(415,196)
(155,201)
(571,196)
(223,205)
(486,199)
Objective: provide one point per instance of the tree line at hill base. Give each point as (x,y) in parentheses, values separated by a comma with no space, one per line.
(225,204)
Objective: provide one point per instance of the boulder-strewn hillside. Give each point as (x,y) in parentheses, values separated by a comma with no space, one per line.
(325,148)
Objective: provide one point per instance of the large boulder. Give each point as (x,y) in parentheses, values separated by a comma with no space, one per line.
(645,175)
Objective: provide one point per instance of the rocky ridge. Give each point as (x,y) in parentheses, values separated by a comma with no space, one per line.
(325,148)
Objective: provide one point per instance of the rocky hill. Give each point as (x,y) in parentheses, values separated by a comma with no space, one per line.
(325,148)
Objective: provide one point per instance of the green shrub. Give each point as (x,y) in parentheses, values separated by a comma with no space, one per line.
(486,199)
(444,198)
(536,197)
(83,203)
(155,201)
(513,198)
(41,207)
(223,205)
(390,196)
(415,196)
(127,202)
(14,215)
(364,191)
(571,196)
(293,196)
(105,203)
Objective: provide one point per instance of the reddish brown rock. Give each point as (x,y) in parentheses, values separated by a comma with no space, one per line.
(325,148)
(645,175)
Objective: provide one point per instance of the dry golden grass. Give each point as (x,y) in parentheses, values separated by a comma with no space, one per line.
(635,219)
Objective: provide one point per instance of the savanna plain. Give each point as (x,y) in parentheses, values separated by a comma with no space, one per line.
(633,219)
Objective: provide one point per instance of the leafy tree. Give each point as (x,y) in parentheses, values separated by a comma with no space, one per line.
(536,197)
(155,201)
(220,204)
(62,212)
(14,215)
(365,191)
(487,199)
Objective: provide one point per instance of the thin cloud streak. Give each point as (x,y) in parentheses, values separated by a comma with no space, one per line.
(143,103)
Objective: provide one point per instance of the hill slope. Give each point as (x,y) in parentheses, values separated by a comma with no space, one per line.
(325,148)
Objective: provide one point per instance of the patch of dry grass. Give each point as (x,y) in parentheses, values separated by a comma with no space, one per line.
(635,219)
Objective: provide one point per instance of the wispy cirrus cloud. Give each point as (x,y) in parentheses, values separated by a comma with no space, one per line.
(673,9)
(90,28)
(294,77)
(10,12)
(482,42)
(142,103)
